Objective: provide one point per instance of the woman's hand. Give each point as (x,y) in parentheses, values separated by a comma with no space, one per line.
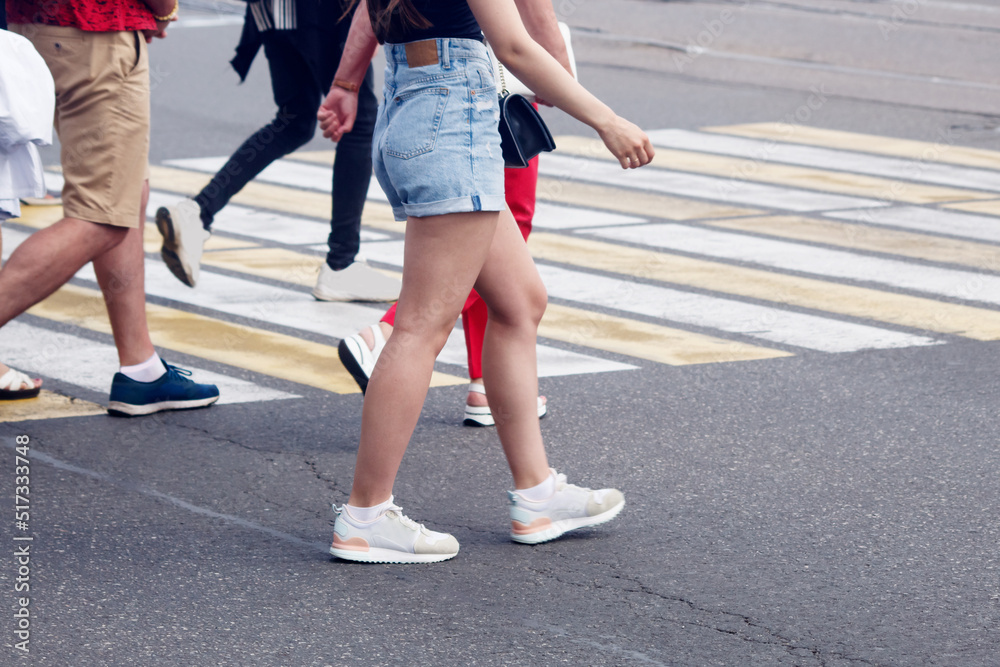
(337,113)
(627,142)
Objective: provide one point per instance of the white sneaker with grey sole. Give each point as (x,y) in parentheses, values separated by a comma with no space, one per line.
(184,239)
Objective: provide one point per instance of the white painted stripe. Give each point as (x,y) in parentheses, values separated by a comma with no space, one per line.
(207,22)
(790,256)
(554,216)
(299,175)
(264,225)
(727,190)
(827,158)
(90,364)
(952,223)
(771,324)
(731,191)
(299,310)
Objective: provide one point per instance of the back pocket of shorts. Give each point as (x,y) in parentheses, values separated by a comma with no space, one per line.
(413,127)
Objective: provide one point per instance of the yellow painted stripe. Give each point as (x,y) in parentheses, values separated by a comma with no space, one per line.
(924,151)
(991,207)
(588,195)
(759,171)
(643,340)
(48,405)
(876,239)
(900,309)
(40,217)
(273,263)
(266,352)
(573,325)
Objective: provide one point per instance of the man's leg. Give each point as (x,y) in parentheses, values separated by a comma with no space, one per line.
(184,224)
(121,275)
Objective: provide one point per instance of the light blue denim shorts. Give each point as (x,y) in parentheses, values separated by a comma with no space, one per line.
(436,147)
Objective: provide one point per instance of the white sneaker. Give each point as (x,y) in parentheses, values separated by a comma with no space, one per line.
(568,508)
(184,239)
(481,415)
(391,538)
(358,359)
(356,282)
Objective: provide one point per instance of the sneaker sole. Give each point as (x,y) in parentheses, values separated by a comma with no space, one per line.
(119,409)
(481,416)
(560,528)
(376,555)
(165,224)
(353,367)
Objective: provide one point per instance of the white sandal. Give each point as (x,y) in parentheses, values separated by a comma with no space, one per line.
(11,383)
(480,415)
(358,359)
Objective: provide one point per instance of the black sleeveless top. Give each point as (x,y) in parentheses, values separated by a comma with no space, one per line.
(448,18)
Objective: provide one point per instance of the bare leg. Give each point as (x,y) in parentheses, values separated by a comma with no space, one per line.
(4,367)
(443,256)
(49,258)
(121,275)
(513,291)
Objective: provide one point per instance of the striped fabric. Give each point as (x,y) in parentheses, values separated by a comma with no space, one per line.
(273,14)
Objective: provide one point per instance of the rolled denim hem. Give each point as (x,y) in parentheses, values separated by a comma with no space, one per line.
(466,204)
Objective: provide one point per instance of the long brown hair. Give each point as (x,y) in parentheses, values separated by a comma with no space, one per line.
(386,13)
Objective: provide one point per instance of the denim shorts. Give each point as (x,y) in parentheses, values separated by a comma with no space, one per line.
(436,147)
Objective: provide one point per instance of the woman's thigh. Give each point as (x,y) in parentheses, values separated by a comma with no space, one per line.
(442,257)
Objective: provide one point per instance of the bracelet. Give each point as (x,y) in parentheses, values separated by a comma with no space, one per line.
(346,85)
(171,16)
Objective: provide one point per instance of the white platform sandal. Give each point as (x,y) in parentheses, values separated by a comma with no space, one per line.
(476,415)
(11,384)
(358,359)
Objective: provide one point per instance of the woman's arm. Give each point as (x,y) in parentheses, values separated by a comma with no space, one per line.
(340,108)
(543,74)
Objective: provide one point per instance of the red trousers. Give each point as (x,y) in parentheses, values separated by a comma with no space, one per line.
(519,186)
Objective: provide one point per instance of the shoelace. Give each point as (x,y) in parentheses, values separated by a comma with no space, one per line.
(405,520)
(177,370)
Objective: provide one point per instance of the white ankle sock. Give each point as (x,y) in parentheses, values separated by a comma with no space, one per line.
(543,491)
(148,371)
(368,514)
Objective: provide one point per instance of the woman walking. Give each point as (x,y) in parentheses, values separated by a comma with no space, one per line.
(437,156)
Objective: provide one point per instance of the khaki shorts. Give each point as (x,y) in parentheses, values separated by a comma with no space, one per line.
(102,118)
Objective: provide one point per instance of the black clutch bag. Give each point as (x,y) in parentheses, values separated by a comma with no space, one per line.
(523,133)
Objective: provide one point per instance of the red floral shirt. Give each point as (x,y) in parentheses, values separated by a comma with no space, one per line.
(91,15)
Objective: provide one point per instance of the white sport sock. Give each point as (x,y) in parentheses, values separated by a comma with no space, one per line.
(543,491)
(148,371)
(368,514)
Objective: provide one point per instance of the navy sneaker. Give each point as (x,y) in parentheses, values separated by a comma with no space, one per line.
(172,391)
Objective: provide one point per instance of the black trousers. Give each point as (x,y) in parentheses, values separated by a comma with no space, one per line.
(298,97)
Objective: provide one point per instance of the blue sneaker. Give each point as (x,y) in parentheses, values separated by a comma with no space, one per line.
(172,391)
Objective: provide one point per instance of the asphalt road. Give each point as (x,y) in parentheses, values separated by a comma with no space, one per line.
(815,509)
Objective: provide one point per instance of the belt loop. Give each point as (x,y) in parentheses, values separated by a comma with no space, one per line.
(445,53)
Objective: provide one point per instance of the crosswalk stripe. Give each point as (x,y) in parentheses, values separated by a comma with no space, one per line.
(91,364)
(596,196)
(989,207)
(770,324)
(48,405)
(941,151)
(861,302)
(615,335)
(871,239)
(978,227)
(789,256)
(715,188)
(963,178)
(740,170)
